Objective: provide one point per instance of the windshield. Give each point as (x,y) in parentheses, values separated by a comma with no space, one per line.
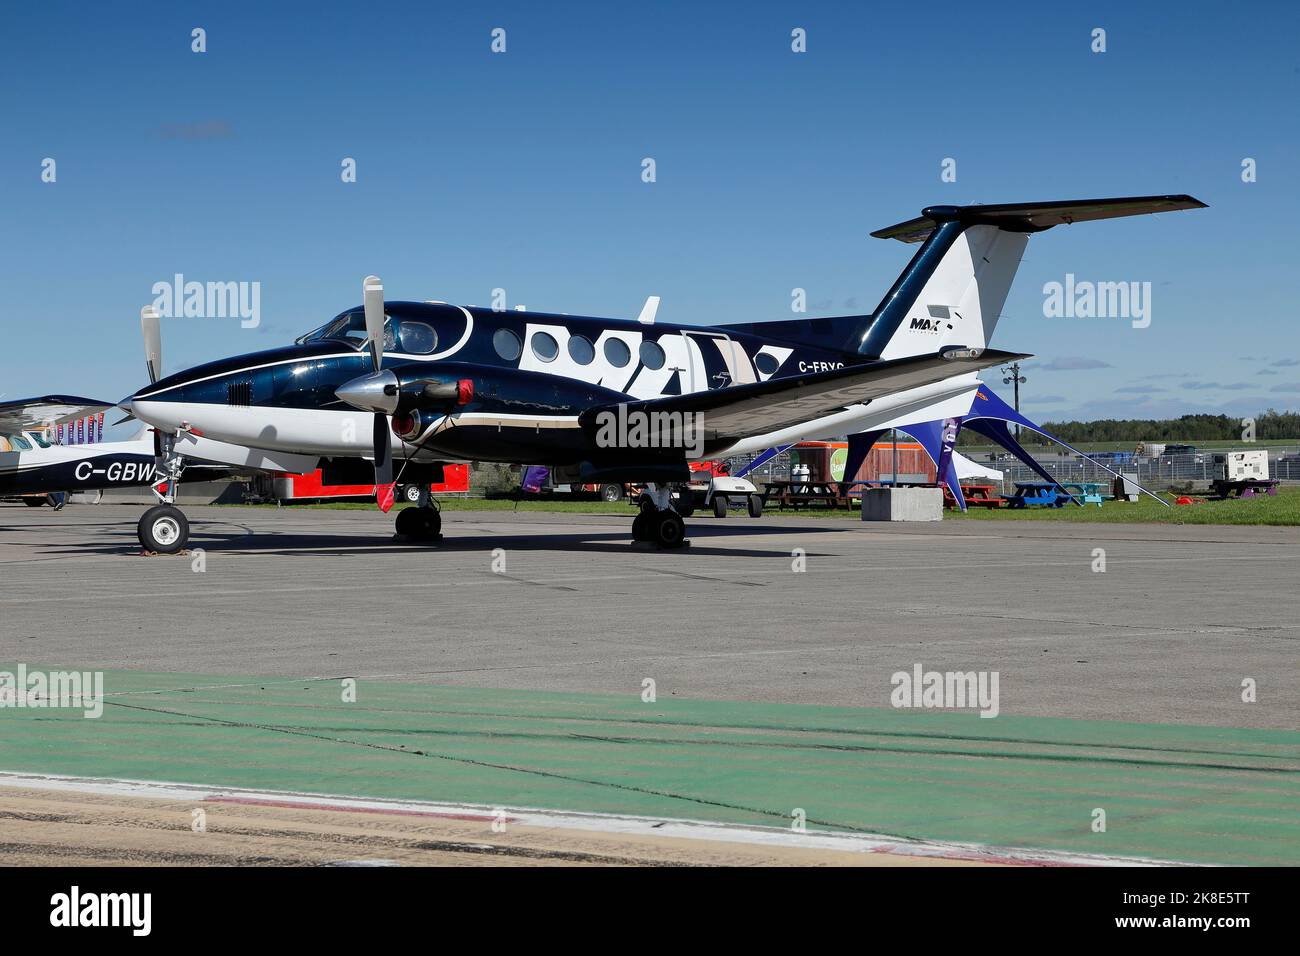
(350,327)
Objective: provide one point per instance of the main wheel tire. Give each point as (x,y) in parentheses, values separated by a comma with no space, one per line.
(641,527)
(33,502)
(419,524)
(719,506)
(430,524)
(669,529)
(611,492)
(684,502)
(411,493)
(755,505)
(163,529)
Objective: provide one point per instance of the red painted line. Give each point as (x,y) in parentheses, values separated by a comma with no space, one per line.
(303,805)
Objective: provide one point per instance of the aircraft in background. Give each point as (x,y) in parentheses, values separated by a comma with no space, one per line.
(39,472)
(607,400)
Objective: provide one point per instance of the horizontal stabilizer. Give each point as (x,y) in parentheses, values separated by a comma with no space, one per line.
(1034,216)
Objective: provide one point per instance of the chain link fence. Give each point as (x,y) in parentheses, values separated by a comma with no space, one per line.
(1163,472)
(1155,473)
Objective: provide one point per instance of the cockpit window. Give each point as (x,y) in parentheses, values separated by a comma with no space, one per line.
(39,440)
(19,443)
(350,327)
(412,329)
(417,338)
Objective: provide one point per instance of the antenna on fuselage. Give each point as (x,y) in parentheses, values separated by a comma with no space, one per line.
(647,316)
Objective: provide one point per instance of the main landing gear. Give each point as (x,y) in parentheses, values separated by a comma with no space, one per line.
(657,521)
(423,522)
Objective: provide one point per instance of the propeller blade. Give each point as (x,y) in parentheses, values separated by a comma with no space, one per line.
(151,326)
(372,295)
(383,464)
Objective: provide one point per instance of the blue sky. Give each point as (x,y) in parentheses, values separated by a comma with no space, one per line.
(522,171)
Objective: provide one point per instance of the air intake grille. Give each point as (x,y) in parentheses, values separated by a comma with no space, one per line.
(239,393)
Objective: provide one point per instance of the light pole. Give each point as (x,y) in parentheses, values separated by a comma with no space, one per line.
(1011,375)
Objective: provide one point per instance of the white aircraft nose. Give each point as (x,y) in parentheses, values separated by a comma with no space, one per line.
(158,414)
(377,392)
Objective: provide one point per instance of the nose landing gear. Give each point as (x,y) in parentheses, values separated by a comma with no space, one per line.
(164,529)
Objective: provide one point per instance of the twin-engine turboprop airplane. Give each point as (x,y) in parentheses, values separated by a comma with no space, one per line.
(612,400)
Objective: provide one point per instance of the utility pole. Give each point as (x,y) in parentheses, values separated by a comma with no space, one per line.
(1011,375)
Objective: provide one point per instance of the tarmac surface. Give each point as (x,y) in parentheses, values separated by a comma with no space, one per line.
(1180,618)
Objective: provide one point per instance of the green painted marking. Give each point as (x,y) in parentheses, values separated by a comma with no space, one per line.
(1199,794)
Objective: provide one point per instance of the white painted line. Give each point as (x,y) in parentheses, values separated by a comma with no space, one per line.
(593,822)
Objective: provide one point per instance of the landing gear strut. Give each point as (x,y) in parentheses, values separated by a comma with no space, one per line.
(164,529)
(657,521)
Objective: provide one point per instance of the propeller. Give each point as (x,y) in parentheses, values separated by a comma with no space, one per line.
(151,326)
(372,296)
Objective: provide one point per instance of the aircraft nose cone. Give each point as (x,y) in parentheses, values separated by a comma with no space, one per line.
(377,392)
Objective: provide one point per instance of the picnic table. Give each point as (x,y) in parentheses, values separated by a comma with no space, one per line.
(1089,492)
(799,493)
(979,496)
(1036,494)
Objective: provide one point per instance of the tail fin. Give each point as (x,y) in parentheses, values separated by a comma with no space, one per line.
(953,290)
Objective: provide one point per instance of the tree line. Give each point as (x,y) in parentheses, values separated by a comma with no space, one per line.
(1271,425)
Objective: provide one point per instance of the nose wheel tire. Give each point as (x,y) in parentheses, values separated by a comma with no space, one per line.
(163,529)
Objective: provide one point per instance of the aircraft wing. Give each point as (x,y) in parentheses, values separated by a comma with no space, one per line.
(740,411)
(38,413)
